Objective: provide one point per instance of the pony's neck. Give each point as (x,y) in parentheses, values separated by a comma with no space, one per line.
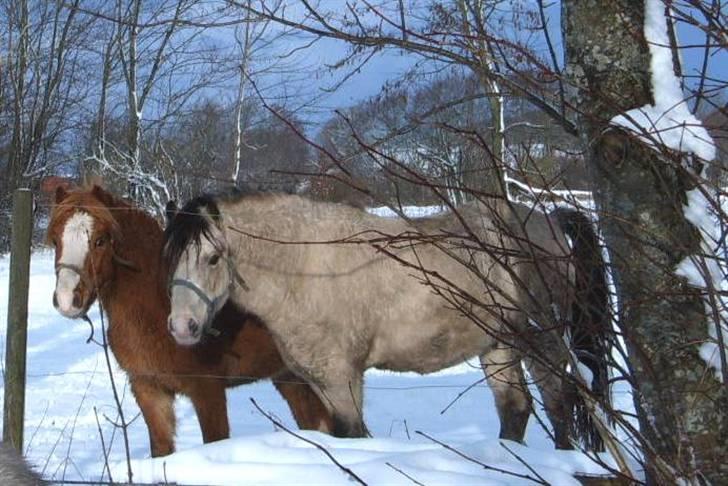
(253,227)
(241,221)
(141,244)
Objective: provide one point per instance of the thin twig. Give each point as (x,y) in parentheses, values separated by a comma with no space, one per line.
(103,448)
(480,463)
(520,459)
(278,424)
(124,425)
(73,426)
(104,483)
(403,473)
(460,395)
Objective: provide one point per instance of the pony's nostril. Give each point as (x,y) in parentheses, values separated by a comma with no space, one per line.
(77,300)
(170,328)
(193,326)
(55,300)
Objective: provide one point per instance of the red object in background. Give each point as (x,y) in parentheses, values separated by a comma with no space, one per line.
(48,185)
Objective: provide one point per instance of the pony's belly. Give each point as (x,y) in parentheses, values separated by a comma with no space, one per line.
(422,352)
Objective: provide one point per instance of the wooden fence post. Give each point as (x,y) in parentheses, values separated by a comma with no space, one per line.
(17,331)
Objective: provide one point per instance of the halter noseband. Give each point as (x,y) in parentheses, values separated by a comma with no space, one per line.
(211,304)
(75,269)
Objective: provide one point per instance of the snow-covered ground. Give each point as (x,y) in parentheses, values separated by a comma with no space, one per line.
(67,382)
(410,211)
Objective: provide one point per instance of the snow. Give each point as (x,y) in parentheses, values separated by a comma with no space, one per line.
(668,122)
(67,381)
(586,374)
(267,458)
(549,199)
(409,211)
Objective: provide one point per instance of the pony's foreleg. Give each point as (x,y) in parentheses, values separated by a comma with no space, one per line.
(556,400)
(157,406)
(502,367)
(306,406)
(343,397)
(208,398)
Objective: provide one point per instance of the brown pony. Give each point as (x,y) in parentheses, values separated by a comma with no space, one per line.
(108,249)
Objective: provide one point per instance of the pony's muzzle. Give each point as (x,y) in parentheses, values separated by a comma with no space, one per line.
(185,330)
(70,304)
(68,296)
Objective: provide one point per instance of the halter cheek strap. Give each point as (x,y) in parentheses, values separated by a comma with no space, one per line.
(235,275)
(211,304)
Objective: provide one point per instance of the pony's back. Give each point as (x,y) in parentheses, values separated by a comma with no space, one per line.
(339,264)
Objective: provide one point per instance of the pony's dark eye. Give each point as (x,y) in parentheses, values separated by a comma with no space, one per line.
(100,241)
(214,259)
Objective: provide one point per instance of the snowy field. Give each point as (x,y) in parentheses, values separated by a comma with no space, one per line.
(67,382)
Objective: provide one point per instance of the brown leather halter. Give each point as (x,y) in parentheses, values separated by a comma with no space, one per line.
(82,275)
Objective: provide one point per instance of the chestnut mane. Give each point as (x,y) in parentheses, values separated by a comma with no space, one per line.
(84,199)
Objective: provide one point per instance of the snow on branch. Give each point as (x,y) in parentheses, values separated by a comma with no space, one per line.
(669,123)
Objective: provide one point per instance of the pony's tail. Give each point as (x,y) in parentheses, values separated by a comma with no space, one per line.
(589,323)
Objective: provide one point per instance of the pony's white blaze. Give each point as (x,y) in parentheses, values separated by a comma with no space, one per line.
(75,246)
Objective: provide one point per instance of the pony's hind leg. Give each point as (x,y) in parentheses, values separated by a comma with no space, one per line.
(556,401)
(157,406)
(305,405)
(208,398)
(502,367)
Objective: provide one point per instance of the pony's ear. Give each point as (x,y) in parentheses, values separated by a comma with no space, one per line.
(170,211)
(60,194)
(103,196)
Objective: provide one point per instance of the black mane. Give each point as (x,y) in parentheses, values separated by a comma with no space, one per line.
(188,226)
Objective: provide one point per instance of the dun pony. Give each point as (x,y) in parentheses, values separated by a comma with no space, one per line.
(342,291)
(107,248)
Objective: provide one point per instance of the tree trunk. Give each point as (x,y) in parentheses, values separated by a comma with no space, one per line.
(682,407)
(245,45)
(17,155)
(474,27)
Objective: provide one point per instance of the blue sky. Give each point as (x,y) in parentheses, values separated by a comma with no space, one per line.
(391,64)
(305,78)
